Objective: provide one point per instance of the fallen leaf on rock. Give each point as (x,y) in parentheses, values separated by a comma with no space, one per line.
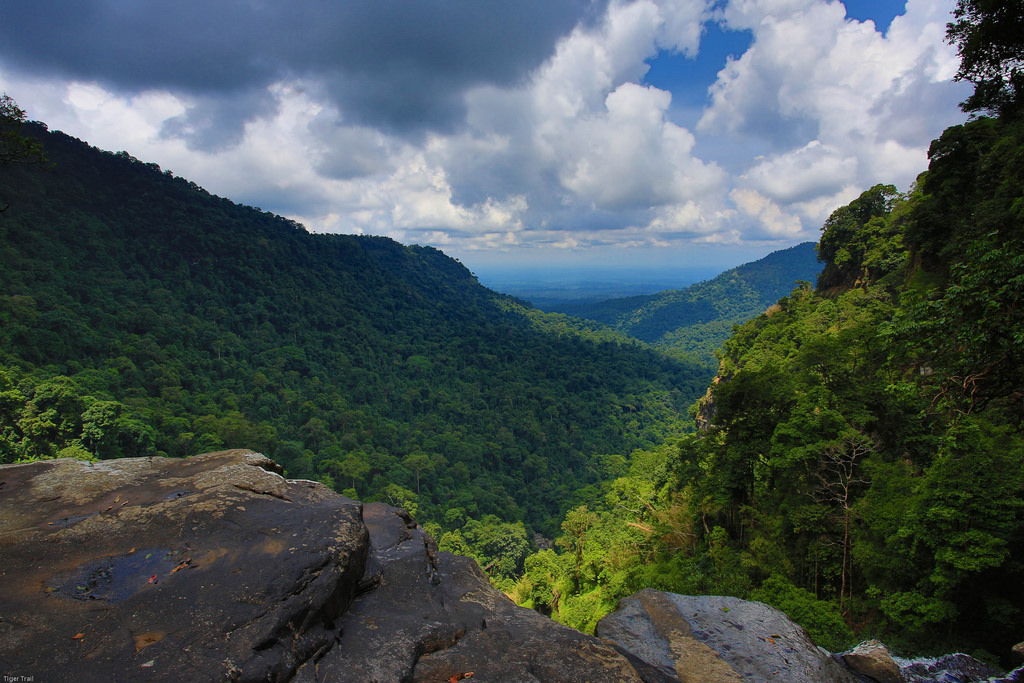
(181,565)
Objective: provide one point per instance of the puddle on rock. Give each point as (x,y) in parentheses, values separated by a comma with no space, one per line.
(115,578)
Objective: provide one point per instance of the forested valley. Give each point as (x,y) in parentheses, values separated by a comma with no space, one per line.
(144,316)
(692,323)
(856,458)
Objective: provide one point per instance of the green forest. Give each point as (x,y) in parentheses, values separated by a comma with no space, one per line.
(692,323)
(856,458)
(140,315)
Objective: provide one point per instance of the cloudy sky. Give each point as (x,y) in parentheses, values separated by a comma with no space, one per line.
(534,132)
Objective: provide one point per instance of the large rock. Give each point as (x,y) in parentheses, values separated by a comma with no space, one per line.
(1017,654)
(872,659)
(430,616)
(216,568)
(208,568)
(672,637)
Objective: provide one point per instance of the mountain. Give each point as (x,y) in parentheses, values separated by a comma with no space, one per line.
(859,457)
(697,319)
(142,315)
(151,590)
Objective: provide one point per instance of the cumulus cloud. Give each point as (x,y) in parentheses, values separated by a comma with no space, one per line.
(498,126)
(401,64)
(840,105)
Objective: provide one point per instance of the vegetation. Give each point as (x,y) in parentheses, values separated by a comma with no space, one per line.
(692,323)
(141,315)
(859,460)
(987,34)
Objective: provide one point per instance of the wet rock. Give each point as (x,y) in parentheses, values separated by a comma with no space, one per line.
(431,616)
(872,659)
(207,568)
(1017,654)
(672,637)
(953,668)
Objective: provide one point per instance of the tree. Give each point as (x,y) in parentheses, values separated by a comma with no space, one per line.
(576,525)
(850,234)
(989,36)
(354,467)
(838,480)
(418,461)
(16,148)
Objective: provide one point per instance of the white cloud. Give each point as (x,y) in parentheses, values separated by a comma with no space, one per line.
(580,151)
(840,105)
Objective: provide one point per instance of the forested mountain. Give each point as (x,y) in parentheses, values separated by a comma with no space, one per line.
(693,322)
(141,315)
(859,459)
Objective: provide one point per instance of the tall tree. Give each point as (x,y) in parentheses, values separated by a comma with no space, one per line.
(989,35)
(15,147)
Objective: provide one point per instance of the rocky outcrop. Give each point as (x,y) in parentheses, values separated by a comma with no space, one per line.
(430,616)
(208,568)
(872,659)
(707,638)
(215,568)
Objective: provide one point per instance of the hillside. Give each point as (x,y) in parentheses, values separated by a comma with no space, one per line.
(696,320)
(859,459)
(141,315)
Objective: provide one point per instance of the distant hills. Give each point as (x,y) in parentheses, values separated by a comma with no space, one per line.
(141,315)
(696,320)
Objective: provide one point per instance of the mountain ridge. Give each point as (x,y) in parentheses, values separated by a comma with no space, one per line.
(696,320)
(193,323)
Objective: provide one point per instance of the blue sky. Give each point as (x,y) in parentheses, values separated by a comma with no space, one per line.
(541,133)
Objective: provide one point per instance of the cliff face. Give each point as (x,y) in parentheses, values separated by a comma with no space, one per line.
(215,568)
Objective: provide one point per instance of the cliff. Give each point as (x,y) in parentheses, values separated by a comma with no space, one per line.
(216,568)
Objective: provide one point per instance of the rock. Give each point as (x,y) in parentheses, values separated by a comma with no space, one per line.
(953,668)
(671,637)
(430,616)
(872,659)
(1017,654)
(215,568)
(208,568)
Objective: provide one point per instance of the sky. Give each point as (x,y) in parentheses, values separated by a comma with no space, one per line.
(535,133)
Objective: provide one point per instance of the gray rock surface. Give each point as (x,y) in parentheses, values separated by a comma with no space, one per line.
(430,616)
(672,637)
(215,568)
(872,659)
(208,568)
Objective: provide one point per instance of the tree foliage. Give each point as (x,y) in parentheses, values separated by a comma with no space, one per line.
(859,461)
(384,370)
(989,36)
